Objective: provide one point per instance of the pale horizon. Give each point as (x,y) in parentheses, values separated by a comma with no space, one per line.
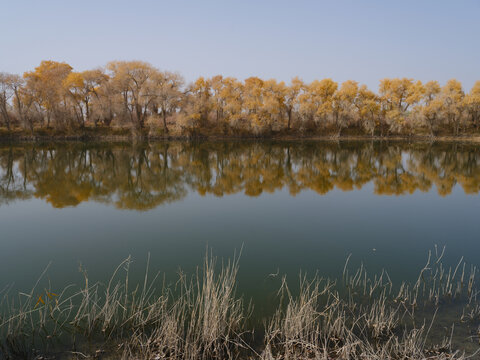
(313,40)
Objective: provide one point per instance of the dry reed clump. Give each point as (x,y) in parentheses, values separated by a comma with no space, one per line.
(204,321)
(369,318)
(200,317)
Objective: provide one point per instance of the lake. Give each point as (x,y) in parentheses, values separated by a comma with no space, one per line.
(286,206)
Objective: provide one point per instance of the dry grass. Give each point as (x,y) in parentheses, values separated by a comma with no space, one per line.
(200,317)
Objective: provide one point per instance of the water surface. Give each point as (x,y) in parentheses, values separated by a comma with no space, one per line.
(290,206)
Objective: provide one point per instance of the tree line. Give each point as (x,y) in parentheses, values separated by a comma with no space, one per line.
(145,176)
(138,96)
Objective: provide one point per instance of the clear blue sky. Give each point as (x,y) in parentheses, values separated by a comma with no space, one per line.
(360,40)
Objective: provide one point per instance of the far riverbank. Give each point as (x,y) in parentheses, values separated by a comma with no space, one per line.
(103,134)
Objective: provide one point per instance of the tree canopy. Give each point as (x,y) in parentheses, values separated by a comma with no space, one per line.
(136,95)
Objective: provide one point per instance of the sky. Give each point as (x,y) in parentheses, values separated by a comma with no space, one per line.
(359,40)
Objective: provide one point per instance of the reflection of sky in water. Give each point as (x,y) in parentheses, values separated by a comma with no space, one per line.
(308,231)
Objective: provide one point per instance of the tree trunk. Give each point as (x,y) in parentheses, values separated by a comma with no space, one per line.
(139,113)
(22,115)
(164,115)
(6,117)
(87,111)
(455,126)
(289,113)
(4,112)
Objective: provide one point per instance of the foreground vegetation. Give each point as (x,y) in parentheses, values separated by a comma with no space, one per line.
(134,96)
(201,317)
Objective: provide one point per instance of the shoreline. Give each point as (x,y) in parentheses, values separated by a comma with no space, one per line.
(21,138)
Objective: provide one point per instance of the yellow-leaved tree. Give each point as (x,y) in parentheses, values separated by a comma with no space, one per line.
(45,85)
(472,105)
(345,105)
(452,96)
(397,97)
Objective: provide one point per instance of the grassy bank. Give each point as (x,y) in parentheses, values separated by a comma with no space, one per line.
(355,316)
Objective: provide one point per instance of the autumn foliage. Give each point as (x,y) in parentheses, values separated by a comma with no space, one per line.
(136,95)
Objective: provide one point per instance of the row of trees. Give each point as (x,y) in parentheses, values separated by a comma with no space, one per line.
(136,94)
(142,177)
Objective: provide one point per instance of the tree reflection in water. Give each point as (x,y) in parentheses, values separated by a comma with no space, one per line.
(144,176)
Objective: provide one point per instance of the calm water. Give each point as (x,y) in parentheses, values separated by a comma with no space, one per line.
(292,206)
